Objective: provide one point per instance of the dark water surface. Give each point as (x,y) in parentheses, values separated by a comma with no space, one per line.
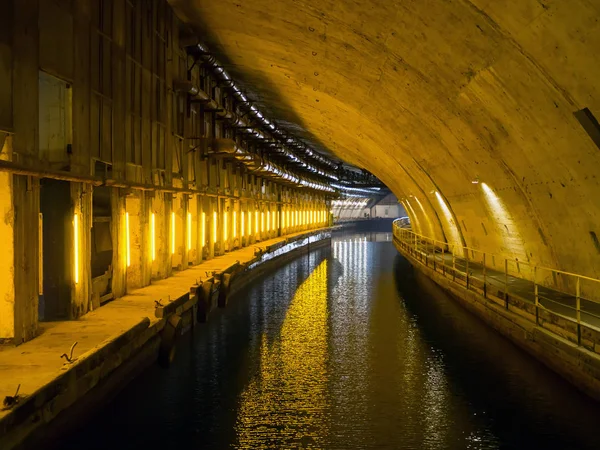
(347,348)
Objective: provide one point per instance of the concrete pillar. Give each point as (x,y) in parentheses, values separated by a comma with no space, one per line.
(7,262)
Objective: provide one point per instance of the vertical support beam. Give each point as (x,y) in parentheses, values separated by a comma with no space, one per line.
(25,145)
(118,231)
(467,268)
(506,282)
(536,296)
(81,88)
(26,257)
(484,279)
(578,308)
(7,262)
(119,105)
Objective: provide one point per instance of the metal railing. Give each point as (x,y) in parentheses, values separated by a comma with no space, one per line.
(541,291)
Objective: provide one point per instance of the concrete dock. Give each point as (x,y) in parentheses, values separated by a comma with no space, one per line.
(123,332)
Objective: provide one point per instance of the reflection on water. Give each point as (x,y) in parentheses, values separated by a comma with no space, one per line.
(345,348)
(285,403)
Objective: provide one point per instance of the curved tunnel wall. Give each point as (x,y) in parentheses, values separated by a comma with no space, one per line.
(432,95)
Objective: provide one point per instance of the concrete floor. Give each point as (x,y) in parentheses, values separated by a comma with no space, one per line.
(37,362)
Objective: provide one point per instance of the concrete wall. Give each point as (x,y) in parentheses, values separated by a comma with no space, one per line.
(431,96)
(87,93)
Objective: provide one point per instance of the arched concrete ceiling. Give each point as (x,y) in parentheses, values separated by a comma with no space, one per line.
(431,94)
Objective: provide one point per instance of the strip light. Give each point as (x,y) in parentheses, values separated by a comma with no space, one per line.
(214,227)
(189,231)
(234,224)
(203,229)
(172,232)
(243,223)
(76,246)
(128,250)
(153,236)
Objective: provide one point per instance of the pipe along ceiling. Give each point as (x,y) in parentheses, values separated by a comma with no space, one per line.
(283,158)
(431,96)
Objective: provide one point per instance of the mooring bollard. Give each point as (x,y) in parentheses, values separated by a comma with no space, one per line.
(168,340)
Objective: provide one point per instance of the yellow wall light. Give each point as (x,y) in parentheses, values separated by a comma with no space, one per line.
(214,227)
(242,224)
(234,224)
(153,236)
(76,247)
(173,233)
(203,229)
(127,241)
(189,231)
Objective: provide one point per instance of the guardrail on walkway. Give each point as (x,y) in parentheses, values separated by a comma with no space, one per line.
(549,294)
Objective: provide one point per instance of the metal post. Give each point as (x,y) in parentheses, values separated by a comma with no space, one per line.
(416,247)
(506,282)
(443,263)
(537,299)
(484,280)
(467,268)
(454,263)
(578,310)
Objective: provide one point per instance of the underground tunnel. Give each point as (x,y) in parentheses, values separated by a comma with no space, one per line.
(170,165)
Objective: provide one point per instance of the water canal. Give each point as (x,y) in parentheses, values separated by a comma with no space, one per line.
(346,348)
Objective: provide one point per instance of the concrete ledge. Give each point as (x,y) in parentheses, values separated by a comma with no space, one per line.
(67,393)
(575,363)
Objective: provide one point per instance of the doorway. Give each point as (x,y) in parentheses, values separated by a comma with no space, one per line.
(102,246)
(55,208)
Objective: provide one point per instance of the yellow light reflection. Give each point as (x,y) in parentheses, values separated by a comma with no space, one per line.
(255,222)
(505,223)
(427,219)
(274,220)
(414,219)
(450,220)
(225,226)
(268,222)
(293,368)
(262,222)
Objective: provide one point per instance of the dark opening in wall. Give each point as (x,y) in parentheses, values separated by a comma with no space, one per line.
(589,124)
(595,241)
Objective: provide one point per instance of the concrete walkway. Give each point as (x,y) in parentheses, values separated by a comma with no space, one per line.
(38,362)
(496,284)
